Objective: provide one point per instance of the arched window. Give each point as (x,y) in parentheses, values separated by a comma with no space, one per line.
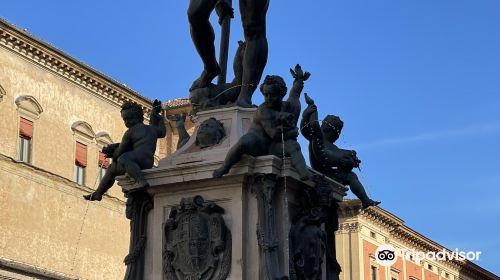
(28,106)
(84,136)
(29,111)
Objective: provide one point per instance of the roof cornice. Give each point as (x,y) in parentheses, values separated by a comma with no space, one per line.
(399,231)
(47,56)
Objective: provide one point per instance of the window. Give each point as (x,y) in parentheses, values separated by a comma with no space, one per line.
(29,111)
(79,174)
(80,163)
(25,136)
(83,136)
(374,272)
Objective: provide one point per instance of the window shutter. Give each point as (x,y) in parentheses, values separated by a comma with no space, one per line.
(103,161)
(81,154)
(26,128)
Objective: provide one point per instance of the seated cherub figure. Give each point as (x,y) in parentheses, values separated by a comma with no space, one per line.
(326,157)
(274,127)
(137,149)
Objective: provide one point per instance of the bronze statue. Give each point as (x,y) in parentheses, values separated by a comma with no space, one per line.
(274,127)
(215,95)
(180,124)
(253,16)
(137,149)
(326,157)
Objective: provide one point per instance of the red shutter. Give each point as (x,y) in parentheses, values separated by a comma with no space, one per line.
(26,128)
(103,161)
(81,154)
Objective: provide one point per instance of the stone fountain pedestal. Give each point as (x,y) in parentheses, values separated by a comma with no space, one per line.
(234,227)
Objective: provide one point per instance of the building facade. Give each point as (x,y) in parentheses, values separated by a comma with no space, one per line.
(361,232)
(56,114)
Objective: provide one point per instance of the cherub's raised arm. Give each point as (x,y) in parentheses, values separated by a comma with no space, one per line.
(309,124)
(298,85)
(180,124)
(156,119)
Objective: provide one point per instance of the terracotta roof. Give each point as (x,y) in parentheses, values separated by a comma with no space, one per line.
(176,103)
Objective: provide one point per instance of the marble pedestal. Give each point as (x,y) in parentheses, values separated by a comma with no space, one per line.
(259,197)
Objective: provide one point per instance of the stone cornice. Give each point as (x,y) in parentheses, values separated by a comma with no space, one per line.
(56,181)
(33,271)
(43,54)
(376,215)
(349,227)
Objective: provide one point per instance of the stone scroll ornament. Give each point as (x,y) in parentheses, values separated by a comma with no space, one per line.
(264,187)
(197,243)
(139,204)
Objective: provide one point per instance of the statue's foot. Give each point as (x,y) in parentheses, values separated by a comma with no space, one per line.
(244,102)
(93,196)
(369,203)
(218,173)
(205,78)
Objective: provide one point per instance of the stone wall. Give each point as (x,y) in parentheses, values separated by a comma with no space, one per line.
(42,209)
(42,214)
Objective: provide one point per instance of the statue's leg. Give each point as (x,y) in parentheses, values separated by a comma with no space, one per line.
(298,162)
(253,17)
(203,37)
(249,144)
(106,182)
(130,161)
(357,189)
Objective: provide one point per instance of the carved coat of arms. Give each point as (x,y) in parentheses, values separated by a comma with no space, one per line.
(197,242)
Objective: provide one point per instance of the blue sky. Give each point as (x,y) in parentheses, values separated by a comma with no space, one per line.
(417,84)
